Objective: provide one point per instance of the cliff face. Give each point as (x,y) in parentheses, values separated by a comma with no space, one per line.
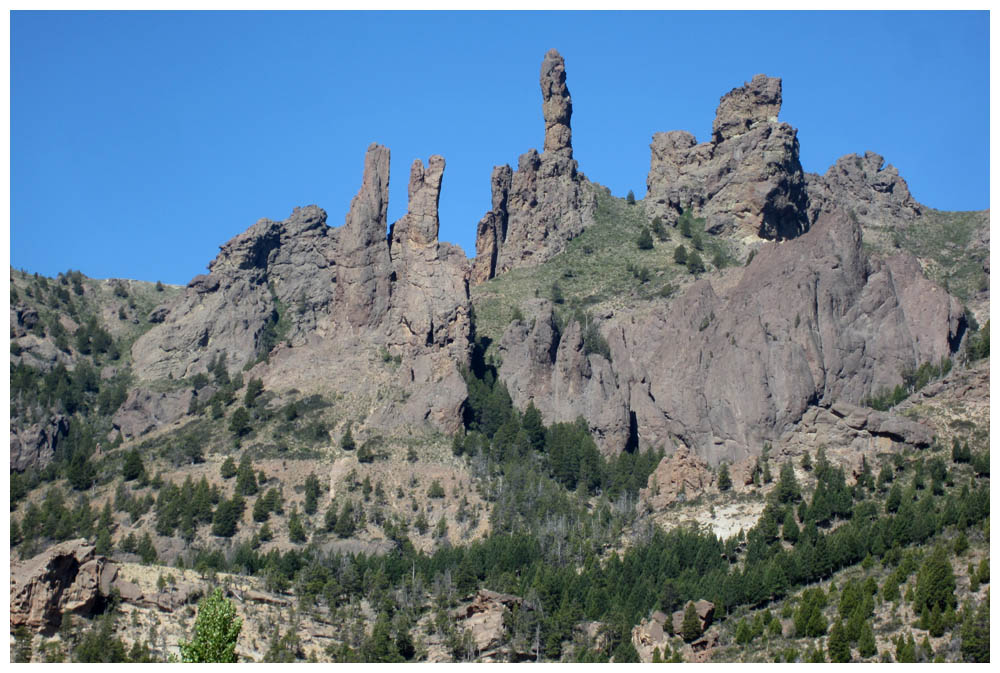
(546,202)
(345,294)
(811,321)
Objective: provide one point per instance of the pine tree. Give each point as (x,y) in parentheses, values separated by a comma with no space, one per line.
(246,478)
(691,626)
(838,645)
(935,582)
(790,529)
(694,263)
(724,480)
(296,532)
(788,489)
(645,240)
(680,254)
(975,633)
(239,424)
(228,469)
(866,643)
(132,468)
(347,441)
(312,494)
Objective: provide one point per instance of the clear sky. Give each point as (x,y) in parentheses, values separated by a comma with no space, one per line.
(142,141)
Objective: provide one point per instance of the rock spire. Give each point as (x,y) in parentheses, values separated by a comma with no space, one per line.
(557,106)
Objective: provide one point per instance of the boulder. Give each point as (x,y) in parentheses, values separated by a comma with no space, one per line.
(680,476)
(705,610)
(483,617)
(66,577)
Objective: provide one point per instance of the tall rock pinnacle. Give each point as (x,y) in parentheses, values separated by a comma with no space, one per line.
(557,106)
(546,202)
(420,224)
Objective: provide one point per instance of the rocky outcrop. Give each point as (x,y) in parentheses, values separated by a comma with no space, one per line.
(540,364)
(679,477)
(705,611)
(747,179)
(865,188)
(810,322)
(654,633)
(66,577)
(483,616)
(144,410)
(319,303)
(34,446)
(546,202)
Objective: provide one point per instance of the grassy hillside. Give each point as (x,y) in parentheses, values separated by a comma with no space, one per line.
(602,269)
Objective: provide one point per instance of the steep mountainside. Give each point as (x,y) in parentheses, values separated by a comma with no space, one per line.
(626,430)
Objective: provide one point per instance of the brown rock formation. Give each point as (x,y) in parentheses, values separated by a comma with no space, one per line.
(483,616)
(344,293)
(546,202)
(64,578)
(557,106)
(811,321)
(678,477)
(552,369)
(747,179)
(35,445)
(145,410)
(705,610)
(864,187)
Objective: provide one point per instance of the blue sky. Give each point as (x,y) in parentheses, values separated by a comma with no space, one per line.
(142,141)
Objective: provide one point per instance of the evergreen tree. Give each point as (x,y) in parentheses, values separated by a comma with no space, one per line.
(691,626)
(838,645)
(228,469)
(239,424)
(347,441)
(296,532)
(254,388)
(246,478)
(975,633)
(724,480)
(866,642)
(680,254)
(894,499)
(790,529)
(312,494)
(132,468)
(935,582)
(787,490)
(23,639)
(261,512)
(645,240)
(345,522)
(694,263)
